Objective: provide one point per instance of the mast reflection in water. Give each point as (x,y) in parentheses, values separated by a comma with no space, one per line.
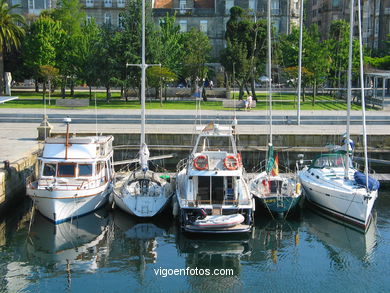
(115,252)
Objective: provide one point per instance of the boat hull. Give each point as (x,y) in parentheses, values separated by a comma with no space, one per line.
(279,204)
(143,207)
(62,205)
(350,205)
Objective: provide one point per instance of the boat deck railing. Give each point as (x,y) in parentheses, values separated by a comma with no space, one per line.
(74,184)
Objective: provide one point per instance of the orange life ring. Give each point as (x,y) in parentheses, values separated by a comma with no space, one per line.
(231,162)
(201,162)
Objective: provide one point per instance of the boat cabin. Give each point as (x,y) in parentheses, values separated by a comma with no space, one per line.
(83,159)
(332,160)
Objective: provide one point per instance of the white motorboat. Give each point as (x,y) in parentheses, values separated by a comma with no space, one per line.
(142,193)
(212,195)
(331,182)
(74,176)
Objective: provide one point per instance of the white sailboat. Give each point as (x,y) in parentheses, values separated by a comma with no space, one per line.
(278,192)
(142,193)
(331,182)
(75,176)
(211,193)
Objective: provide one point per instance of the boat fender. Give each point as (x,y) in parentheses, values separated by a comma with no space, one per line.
(231,162)
(201,162)
(298,188)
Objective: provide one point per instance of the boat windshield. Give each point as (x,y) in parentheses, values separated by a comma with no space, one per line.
(330,161)
(215,143)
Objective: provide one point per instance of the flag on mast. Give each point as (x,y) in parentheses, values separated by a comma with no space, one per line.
(275,168)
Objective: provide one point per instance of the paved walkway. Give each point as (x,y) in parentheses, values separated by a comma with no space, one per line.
(18,139)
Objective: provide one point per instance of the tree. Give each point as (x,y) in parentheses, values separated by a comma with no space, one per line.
(71,16)
(316,60)
(106,60)
(10,34)
(169,45)
(338,48)
(128,45)
(86,54)
(197,47)
(315,57)
(48,73)
(246,48)
(159,76)
(41,43)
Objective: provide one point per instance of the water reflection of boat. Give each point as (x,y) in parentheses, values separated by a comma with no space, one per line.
(217,260)
(69,242)
(338,236)
(140,238)
(273,238)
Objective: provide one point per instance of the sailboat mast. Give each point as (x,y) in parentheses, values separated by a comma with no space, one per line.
(269,70)
(143,77)
(349,86)
(300,63)
(362,95)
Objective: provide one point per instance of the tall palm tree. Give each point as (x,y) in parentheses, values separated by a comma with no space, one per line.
(10,33)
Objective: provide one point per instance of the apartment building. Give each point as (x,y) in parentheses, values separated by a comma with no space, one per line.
(211,16)
(375,18)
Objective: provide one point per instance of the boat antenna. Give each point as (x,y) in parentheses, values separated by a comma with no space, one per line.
(362,95)
(300,62)
(349,89)
(269,69)
(96,118)
(67,120)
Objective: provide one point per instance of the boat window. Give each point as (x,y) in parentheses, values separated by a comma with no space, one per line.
(66,170)
(218,143)
(329,161)
(49,169)
(85,169)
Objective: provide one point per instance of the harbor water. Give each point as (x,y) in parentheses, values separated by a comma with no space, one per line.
(110,251)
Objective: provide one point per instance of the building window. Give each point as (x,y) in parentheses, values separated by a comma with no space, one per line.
(183,6)
(276,25)
(121,3)
(203,26)
(121,21)
(336,3)
(252,5)
(183,26)
(16,2)
(31,4)
(89,3)
(275,7)
(228,5)
(107,18)
(107,3)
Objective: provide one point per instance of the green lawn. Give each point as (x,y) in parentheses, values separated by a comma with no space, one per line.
(282,102)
